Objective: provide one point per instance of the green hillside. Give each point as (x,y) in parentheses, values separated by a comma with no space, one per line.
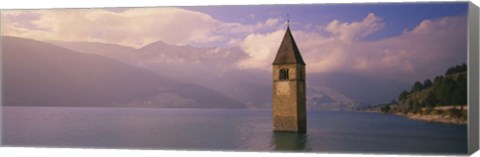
(442,100)
(446,90)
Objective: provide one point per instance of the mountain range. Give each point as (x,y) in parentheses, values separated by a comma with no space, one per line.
(56,73)
(40,74)
(213,68)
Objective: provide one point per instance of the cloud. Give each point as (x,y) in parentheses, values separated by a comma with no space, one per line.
(233,28)
(251,16)
(260,49)
(423,52)
(131,27)
(427,50)
(352,31)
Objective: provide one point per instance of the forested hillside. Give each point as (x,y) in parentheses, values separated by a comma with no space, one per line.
(442,100)
(446,90)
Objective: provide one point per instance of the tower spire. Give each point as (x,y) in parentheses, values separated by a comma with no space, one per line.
(288,20)
(288,52)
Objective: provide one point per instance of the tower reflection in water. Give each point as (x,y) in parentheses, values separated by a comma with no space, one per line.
(289,141)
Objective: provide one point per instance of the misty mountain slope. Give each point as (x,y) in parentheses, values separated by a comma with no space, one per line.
(324,98)
(40,74)
(186,63)
(215,68)
(181,63)
(103,49)
(365,90)
(207,67)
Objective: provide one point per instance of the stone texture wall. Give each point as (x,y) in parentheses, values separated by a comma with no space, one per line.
(289,98)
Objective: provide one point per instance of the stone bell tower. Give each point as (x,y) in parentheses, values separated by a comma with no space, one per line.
(289,93)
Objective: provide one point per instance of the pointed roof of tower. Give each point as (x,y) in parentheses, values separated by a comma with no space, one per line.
(288,52)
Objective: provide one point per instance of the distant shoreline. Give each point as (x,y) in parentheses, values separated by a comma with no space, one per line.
(437,118)
(432,116)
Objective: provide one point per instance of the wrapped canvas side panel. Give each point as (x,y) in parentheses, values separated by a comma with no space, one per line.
(473,71)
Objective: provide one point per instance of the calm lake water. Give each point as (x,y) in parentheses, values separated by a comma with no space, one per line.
(217,129)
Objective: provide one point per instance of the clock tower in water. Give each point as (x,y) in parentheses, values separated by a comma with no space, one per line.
(289,91)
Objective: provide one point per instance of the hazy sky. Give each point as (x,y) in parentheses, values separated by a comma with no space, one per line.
(397,41)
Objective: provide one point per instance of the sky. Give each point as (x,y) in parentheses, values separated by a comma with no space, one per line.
(405,42)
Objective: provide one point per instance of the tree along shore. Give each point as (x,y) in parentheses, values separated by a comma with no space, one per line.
(443,114)
(442,100)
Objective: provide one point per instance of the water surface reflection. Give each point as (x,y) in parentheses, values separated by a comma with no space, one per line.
(215,129)
(289,141)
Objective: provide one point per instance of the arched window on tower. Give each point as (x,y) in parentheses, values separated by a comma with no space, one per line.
(283,74)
